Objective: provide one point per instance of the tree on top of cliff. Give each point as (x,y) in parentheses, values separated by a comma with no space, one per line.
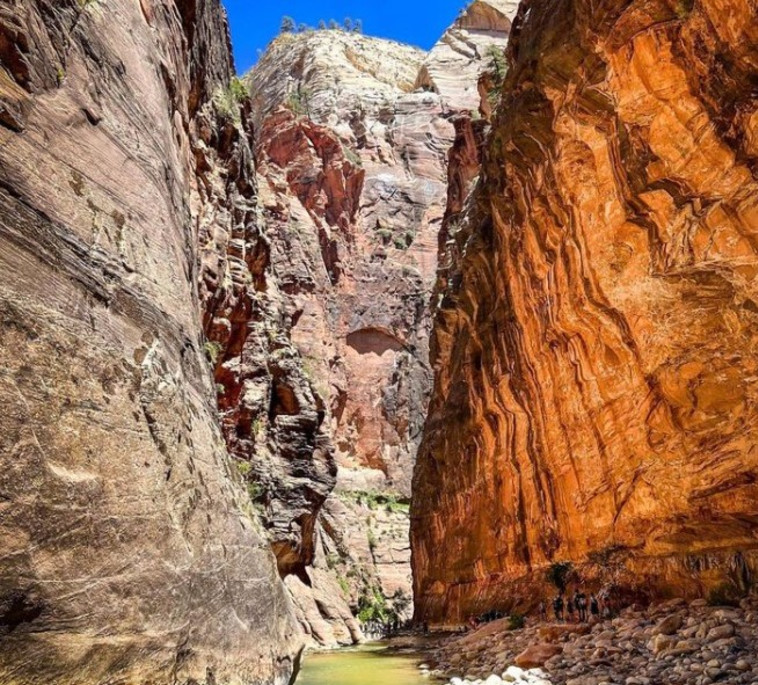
(287,25)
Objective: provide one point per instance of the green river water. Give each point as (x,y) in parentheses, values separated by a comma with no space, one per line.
(366,665)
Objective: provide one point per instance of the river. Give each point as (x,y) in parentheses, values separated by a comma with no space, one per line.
(372,664)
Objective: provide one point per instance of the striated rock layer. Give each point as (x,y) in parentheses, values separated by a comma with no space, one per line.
(129,551)
(352,144)
(595,351)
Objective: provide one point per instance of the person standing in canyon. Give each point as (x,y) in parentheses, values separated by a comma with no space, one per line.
(580,602)
(594,607)
(558,607)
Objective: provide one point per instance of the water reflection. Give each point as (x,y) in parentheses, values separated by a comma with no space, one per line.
(370,664)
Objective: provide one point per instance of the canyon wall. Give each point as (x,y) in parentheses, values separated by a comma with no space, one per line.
(594,347)
(352,142)
(129,549)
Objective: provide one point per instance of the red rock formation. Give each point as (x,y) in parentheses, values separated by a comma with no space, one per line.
(353,165)
(595,350)
(271,415)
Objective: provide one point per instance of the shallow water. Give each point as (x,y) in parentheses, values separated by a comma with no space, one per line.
(366,665)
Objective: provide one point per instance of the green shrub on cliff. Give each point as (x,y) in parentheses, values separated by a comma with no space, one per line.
(213,350)
(244,467)
(238,89)
(516,621)
(254,491)
(228,100)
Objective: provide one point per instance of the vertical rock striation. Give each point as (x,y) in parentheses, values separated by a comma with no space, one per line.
(129,551)
(595,346)
(353,140)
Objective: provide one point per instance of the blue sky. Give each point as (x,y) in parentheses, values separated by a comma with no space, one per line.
(420,22)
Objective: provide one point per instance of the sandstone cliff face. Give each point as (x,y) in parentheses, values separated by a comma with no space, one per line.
(129,549)
(353,139)
(272,416)
(595,348)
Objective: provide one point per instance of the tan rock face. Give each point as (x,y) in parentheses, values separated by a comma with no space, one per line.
(129,549)
(360,177)
(353,161)
(454,65)
(595,349)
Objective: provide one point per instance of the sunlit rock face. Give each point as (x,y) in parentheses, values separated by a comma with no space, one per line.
(454,65)
(129,550)
(595,347)
(352,150)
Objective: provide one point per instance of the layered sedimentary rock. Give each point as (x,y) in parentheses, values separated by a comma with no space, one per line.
(352,146)
(595,347)
(129,550)
(454,64)
(272,416)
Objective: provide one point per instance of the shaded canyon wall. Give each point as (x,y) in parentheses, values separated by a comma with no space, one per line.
(129,549)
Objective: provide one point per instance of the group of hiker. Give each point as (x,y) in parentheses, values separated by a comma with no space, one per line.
(578,608)
(569,607)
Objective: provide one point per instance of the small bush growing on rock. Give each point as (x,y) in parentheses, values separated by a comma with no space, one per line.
(244,467)
(352,156)
(213,350)
(391,502)
(256,428)
(299,102)
(372,606)
(334,25)
(497,62)
(254,491)
(227,100)
(372,543)
(516,621)
(238,89)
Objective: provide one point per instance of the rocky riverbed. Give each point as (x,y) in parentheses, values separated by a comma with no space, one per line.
(673,643)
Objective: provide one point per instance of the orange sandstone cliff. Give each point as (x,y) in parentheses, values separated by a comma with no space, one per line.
(595,344)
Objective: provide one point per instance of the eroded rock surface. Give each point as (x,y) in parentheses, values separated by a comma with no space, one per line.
(353,150)
(129,550)
(595,345)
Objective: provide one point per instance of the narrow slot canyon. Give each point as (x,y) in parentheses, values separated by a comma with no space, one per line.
(375,363)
